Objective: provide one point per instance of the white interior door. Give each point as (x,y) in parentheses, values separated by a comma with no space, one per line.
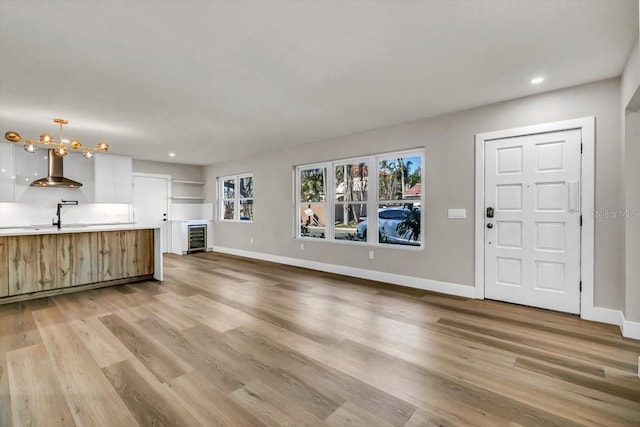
(151,204)
(532,242)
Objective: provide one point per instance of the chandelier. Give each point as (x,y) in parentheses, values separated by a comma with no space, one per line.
(61,147)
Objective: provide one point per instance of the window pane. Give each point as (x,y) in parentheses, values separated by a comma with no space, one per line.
(312,185)
(352,182)
(399,224)
(229,188)
(351,222)
(246,210)
(246,186)
(400,178)
(228,210)
(312,220)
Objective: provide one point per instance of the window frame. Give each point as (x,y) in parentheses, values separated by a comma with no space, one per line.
(372,203)
(299,202)
(237,199)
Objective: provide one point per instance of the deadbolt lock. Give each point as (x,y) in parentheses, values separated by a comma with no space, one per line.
(489,212)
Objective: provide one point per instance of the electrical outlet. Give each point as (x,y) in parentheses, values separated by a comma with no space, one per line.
(370,254)
(302,246)
(251,241)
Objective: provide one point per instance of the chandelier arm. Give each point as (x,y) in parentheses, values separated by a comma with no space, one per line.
(62,146)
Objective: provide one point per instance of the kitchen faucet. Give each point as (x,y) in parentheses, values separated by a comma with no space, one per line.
(60,205)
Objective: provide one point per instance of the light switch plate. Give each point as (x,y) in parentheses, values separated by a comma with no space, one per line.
(457,213)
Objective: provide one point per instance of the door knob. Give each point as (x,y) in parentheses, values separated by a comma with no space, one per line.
(490,225)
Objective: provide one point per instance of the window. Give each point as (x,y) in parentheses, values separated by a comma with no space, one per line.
(399,199)
(334,198)
(351,193)
(312,203)
(236,201)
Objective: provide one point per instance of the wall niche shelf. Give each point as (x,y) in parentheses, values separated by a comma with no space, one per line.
(187,198)
(187,191)
(179,181)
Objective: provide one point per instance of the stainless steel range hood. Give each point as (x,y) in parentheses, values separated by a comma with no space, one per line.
(55,175)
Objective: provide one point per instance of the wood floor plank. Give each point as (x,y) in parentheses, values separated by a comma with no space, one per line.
(217,410)
(89,395)
(18,328)
(150,402)
(244,363)
(229,341)
(200,311)
(157,358)
(326,379)
(6,417)
(38,399)
(271,408)
(535,344)
(350,415)
(631,394)
(193,352)
(176,318)
(103,346)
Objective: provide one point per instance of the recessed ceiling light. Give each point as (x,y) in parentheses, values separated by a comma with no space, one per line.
(172,154)
(537,80)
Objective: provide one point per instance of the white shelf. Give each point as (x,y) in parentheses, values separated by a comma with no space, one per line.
(187,198)
(179,181)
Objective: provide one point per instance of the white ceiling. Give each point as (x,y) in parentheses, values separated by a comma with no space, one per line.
(214,81)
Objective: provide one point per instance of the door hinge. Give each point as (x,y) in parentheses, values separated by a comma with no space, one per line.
(580,148)
(581,286)
(580,220)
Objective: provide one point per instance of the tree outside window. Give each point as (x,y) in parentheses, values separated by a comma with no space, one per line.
(333,201)
(236,203)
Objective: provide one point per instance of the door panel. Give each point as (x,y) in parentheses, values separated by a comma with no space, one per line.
(151,204)
(532,250)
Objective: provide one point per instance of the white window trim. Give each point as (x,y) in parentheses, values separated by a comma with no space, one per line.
(236,197)
(371,203)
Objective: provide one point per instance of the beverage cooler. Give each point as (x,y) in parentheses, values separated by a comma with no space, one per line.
(189,236)
(197,235)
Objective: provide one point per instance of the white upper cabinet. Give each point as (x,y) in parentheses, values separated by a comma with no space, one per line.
(113,179)
(28,168)
(7,173)
(77,168)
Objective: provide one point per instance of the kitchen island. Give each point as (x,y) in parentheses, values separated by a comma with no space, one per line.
(37,262)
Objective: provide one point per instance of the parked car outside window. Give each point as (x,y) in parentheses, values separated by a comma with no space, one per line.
(388,221)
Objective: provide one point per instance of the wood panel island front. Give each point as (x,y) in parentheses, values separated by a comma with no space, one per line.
(36,263)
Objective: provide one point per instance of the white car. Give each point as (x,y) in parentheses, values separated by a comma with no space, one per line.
(388,220)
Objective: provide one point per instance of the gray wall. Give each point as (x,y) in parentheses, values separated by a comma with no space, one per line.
(632,232)
(449,177)
(630,124)
(176,170)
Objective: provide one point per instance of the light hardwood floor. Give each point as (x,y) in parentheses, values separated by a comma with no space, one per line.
(226,341)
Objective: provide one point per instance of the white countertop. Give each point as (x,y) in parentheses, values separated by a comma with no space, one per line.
(72,228)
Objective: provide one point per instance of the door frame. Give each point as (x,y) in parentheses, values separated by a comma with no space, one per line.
(168,182)
(587,206)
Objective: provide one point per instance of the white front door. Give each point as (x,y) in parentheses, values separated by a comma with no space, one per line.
(532,242)
(151,204)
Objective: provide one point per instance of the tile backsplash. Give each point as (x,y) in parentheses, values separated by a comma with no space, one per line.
(42,212)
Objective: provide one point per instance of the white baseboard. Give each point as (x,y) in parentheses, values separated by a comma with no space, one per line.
(396,279)
(631,330)
(606,315)
(628,328)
